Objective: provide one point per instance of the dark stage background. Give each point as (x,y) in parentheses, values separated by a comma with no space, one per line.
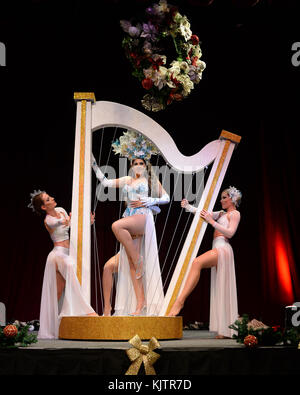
(250,87)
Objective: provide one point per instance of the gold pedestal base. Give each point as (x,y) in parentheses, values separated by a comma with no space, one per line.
(120,328)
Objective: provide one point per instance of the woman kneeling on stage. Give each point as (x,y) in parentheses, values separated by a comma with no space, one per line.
(223,294)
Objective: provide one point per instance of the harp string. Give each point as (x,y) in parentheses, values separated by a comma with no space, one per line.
(97,270)
(184,230)
(187,222)
(174,232)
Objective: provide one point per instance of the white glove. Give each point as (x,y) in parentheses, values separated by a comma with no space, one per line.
(101,177)
(149,201)
(190,208)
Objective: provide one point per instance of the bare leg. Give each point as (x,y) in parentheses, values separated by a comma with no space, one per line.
(60,284)
(206,260)
(137,283)
(111,266)
(123,229)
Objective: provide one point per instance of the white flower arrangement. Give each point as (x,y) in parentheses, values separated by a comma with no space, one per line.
(134,145)
(165,79)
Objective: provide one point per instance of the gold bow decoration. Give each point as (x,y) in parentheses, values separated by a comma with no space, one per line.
(142,354)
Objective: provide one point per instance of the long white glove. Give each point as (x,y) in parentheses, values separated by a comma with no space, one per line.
(193,209)
(190,208)
(149,201)
(101,177)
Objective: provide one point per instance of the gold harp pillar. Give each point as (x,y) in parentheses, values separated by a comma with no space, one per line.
(228,141)
(80,237)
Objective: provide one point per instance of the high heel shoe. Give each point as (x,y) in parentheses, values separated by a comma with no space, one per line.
(139,312)
(139,270)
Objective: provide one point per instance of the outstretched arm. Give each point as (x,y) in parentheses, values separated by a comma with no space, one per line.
(185,204)
(115,183)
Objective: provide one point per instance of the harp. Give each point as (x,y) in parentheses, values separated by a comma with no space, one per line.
(93,115)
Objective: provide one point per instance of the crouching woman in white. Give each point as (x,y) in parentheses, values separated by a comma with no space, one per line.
(223,294)
(61,292)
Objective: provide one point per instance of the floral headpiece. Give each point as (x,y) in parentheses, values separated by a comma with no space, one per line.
(134,145)
(32,196)
(235,195)
(165,79)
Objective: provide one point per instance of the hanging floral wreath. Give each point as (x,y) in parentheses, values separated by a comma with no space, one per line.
(165,55)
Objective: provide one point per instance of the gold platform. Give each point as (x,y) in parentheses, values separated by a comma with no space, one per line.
(120,328)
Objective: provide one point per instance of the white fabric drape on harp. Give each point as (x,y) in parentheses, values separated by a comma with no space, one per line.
(71,303)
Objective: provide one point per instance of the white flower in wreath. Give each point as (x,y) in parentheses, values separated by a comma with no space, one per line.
(186,83)
(184,67)
(197,51)
(175,68)
(162,7)
(159,77)
(201,65)
(188,46)
(184,26)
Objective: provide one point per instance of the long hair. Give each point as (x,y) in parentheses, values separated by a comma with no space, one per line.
(151,178)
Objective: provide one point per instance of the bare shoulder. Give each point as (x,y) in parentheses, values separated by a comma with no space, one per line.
(46,225)
(235,214)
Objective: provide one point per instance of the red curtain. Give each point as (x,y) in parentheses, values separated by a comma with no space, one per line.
(279,239)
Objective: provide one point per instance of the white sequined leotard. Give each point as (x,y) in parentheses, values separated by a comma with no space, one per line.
(135,192)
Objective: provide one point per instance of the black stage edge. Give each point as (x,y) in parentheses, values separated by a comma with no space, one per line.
(264,361)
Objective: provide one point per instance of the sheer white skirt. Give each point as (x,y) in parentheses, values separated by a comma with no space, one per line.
(125,302)
(223,294)
(71,303)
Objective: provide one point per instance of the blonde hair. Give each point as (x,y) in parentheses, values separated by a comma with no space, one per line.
(234,194)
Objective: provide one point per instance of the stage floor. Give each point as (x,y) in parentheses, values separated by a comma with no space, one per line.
(198,353)
(193,339)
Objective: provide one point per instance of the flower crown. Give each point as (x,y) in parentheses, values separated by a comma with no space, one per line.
(134,145)
(32,196)
(235,195)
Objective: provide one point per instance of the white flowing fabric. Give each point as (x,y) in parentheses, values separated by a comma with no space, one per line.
(71,303)
(223,294)
(153,289)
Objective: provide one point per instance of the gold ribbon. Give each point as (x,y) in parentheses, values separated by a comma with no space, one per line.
(142,354)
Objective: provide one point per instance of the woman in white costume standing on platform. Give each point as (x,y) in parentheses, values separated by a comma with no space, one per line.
(139,288)
(61,291)
(223,294)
